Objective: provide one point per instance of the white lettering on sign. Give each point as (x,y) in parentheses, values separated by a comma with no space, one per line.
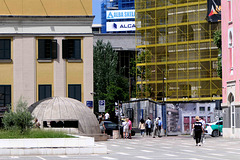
(120,14)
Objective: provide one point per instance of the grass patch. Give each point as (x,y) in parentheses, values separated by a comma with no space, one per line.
(33,133)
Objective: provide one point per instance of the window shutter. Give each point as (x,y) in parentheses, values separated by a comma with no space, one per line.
(74,91)
(77,49)
(7,48)
(65,49)
(54,49)
(41,48)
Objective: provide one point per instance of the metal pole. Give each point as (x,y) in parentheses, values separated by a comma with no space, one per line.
(119,120)
(164,100)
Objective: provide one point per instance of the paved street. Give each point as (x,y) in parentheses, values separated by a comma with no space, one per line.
(164,148)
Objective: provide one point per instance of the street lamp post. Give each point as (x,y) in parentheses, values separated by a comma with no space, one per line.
(163,100)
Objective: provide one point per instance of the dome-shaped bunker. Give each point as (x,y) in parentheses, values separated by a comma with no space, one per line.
(66,114)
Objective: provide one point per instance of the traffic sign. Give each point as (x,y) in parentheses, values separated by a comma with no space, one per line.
(101,106)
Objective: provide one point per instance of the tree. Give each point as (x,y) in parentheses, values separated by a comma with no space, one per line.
(217,39)
(20,120)
(108,84)
(143,73)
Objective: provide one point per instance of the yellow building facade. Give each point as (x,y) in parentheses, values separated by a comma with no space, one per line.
(46,50)
(177,59)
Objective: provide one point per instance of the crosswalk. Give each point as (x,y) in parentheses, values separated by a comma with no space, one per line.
(147,148)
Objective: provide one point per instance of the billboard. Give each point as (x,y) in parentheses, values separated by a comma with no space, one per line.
(214,10)
(120,14)
(121,26)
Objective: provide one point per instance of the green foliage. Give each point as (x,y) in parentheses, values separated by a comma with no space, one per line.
(219,69)
(108,84)
(217,39)
(145,73)
(34,133)
(20,120)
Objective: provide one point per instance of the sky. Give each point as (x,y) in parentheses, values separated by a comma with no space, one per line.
(96,9)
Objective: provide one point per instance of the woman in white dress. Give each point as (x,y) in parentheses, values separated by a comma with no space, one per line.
(125,128)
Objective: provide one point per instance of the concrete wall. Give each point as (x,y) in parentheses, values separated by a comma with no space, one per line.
(118,41)
(231,68)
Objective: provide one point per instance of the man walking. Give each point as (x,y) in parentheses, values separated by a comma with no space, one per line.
(159,126)
(155,128)
(107,116)
(148,126)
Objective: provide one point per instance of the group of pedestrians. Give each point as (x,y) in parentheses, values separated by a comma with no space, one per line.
(127,128)
(149,125)
(198,128)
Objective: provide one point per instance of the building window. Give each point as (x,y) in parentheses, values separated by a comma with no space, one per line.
(209,108)
(74,91)
(71,49)
(5,48)
(202,109)
(44,91)
(47,49)
(5,95)
(230,47)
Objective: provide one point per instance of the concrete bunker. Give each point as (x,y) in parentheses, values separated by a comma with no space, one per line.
(65,114)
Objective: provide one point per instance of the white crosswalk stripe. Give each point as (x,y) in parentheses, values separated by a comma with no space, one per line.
(122,153)
(109,158)
(63,156)
(170,155)
(146,151)
(143,157)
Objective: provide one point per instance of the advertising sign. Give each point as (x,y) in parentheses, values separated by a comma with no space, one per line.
(121,26)
(120,14)
(101,106)
(214,10)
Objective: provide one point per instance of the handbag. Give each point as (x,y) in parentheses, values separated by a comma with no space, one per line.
(193,133)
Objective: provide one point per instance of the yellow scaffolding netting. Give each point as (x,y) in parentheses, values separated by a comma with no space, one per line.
(176,58)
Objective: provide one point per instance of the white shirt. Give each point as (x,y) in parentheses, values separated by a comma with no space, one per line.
(203,123)
(107,116)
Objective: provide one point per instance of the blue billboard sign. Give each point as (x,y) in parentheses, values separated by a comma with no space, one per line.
(120,14)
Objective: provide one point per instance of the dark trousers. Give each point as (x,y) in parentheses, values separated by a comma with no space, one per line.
(148,131)
(198,135)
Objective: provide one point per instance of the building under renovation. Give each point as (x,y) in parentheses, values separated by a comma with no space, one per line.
(177,59)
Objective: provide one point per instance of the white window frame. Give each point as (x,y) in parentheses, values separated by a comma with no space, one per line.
(231,46)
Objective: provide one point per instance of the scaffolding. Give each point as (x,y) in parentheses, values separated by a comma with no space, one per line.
(177,59)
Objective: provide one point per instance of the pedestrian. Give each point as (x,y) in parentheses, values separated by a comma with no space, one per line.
(125,128)
(107,116)
(202,121)
(198,129)
(148,126)
(159,126)
(99,116)
(203,125)
(155,127)
(36,123)
(142,127)
(102,127)
(130,128)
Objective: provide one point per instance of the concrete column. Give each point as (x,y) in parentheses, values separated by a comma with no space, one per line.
(59,72)
(88,68)
(24,69)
